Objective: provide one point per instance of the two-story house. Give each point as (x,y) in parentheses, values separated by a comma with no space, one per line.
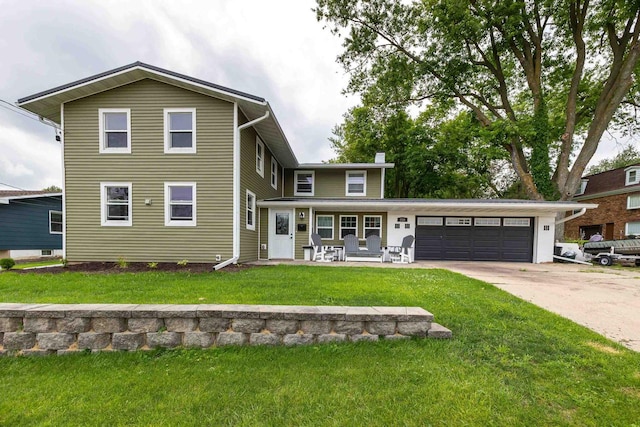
(617,193)
(159,166)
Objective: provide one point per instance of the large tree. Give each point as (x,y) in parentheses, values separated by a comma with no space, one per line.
(629,155)
(544,78)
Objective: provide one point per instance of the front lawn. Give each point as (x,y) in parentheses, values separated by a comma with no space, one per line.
(509,363)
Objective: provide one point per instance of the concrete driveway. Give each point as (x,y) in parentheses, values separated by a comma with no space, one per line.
(604,299)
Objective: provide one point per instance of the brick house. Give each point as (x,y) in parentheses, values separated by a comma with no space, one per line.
(617,193)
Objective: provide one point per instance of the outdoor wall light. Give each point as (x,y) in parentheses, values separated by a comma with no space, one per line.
(301,215)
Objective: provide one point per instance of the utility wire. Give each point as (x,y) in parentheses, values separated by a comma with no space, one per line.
(30,115)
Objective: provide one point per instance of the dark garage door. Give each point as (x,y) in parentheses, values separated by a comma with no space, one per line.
(474,239)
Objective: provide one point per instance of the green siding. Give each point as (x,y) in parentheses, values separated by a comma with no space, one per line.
(147,168)
(336,225)
(301,237)
(252,181)
(331,183)
(264,233)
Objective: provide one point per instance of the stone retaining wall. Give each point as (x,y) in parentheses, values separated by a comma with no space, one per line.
(32,329)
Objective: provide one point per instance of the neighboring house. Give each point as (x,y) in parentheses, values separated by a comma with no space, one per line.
(617,193)
(159,166)
(30,224)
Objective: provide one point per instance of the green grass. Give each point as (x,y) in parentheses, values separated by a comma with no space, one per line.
(509,363)
(22,266)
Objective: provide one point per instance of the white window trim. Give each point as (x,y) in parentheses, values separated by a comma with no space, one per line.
(295,183)
(346,183)
(487,222)
(628,174)
(260,159)
(340,226)
(516,222)
(365,228)
(103,205)
(61,222)
(430,221)
(274,173)
(326,228)
(626,227)
(458,221)
(629,201)
(167,141)
(251,208)
(167,205)
(103,149)
(582,188)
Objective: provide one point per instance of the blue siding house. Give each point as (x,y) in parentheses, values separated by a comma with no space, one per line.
(31,224)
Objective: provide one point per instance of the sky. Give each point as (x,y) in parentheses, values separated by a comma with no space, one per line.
(274,49)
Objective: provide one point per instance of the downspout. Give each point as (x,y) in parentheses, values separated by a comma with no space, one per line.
(236,184)
(64,186)
(570,217)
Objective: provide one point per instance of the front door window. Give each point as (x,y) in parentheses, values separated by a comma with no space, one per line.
(282,224)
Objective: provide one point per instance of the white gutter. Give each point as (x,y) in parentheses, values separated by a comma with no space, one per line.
(236,184)
(570,217)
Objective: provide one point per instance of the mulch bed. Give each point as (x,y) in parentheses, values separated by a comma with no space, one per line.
(135,267)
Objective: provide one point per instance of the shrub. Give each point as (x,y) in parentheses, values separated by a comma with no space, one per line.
(7,263)
(152,265)
(183,263)
(122,263)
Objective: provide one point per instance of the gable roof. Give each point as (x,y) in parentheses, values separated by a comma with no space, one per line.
(608,181)
(47,103)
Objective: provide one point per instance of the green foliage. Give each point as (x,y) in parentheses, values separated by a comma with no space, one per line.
(629,155)
(152,265)
(52,189)
(64,262)
(509,363)
(544,78)
(122,263)
(7,263)
(183,263)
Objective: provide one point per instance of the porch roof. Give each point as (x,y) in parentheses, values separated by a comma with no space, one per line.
(494,207)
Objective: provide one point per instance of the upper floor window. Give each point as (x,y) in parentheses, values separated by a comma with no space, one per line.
(179,130)
(180,203)
(583,187)
(274,173)
(115,200)
(633,175)
(115,130)
(356,183)
(633,201)
(303,181)
(55,222)
(259,157)
(251,210)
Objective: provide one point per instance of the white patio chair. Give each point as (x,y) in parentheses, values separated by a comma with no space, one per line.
(400,254)
(320,252)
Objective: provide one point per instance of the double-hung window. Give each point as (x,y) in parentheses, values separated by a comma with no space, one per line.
(179,130)
(274,173)
(324,226)
(303,181)
(180,203)
(115,130)
(251,211)
(259,157)
(55,222)
(356,183)
(633,201)
(115,201)
(348,225)
(372,226)
(632,175)
(632,229)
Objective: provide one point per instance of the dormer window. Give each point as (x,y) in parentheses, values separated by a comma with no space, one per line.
(632,175)
(583,187)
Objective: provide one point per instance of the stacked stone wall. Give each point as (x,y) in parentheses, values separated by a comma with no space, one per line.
(41,329)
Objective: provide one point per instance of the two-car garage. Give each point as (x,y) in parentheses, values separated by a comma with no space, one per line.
(462,238)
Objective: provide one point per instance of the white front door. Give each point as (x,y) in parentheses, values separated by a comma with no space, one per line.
(281,234)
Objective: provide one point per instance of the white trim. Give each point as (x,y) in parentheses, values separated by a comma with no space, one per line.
(457,221)
(347,175)
(382,174)
(433,221)
(630,198)
(273,177)
(516,222)
(251,226)
(167,205)
(61,222)
(271,231)
(64,171)
(365,228)
(487,222)
(260,158)
(583,187)
(168,149)
(341,228)
(345,165)
(102,148)
(104,221)
(295,182)
(333,220)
